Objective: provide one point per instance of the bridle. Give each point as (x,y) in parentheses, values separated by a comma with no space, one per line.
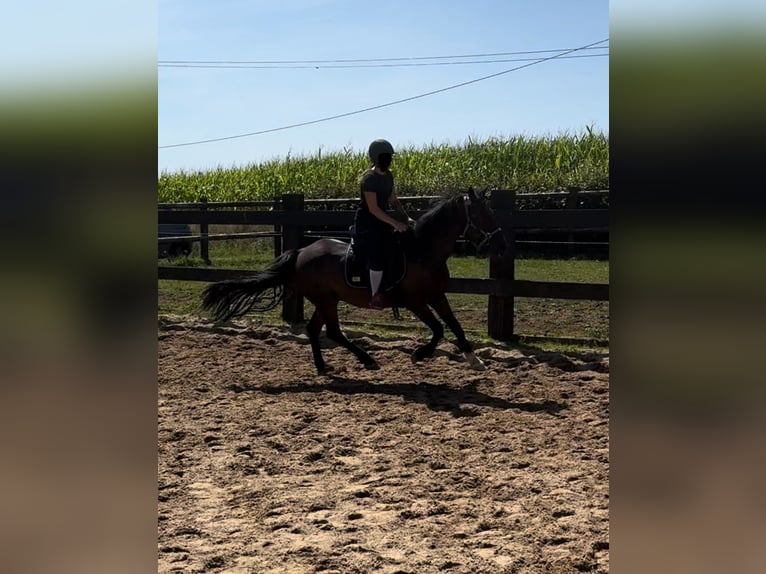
(469,224)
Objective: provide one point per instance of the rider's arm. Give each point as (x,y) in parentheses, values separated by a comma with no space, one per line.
(397,205)
(372,205)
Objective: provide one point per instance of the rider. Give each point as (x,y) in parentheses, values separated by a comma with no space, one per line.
(373,226)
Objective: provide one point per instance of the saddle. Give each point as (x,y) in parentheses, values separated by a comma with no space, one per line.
(357,274)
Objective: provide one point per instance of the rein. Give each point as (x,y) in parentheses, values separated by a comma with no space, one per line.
(469,224)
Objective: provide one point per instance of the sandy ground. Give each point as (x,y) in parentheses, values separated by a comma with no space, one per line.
(265,467)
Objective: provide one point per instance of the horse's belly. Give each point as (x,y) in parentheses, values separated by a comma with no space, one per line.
(425,281)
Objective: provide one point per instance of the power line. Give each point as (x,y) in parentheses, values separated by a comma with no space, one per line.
(393,103)
(347,66)
(411,98)
(360,60)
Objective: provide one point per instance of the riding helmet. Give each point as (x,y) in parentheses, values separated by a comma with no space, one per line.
(378,147)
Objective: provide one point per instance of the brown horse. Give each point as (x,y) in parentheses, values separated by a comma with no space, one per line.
(317,273)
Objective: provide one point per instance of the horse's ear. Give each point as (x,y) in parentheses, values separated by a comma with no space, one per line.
(471,194)
(483,194)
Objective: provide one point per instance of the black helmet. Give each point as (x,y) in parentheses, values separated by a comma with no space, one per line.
(378,147)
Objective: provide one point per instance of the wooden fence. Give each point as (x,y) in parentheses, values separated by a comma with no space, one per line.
(293,216)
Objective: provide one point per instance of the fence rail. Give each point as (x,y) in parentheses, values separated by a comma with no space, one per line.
(573,196)
(218,236)
(532,219)
(464,285)
(294,224)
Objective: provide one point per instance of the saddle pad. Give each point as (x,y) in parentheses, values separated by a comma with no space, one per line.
(358,277)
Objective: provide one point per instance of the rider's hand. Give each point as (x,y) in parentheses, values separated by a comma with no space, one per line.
(400,227)
(410,222)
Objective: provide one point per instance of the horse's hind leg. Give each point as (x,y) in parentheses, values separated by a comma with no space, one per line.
(442,307)
(424,314)
(313,328)
(330,313)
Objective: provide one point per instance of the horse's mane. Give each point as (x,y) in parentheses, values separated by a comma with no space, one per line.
(431,226)
(434,221)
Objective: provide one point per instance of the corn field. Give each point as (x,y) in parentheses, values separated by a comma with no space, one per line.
(526,164)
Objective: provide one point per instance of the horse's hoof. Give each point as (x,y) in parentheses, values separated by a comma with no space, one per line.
(372,366)
(475,362)
(421,354)
(325,370)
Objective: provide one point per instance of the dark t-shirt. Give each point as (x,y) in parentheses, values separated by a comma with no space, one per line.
(382,185)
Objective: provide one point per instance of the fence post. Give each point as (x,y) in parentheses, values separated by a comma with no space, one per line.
(277,229)
(500,308)
(572,203)
(204,244)
(292,237)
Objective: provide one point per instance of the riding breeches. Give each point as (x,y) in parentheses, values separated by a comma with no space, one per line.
(374,245)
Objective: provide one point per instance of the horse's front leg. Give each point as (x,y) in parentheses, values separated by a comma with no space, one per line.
(423,313)
(441,305)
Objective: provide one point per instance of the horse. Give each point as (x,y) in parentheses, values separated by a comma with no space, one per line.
(317,273)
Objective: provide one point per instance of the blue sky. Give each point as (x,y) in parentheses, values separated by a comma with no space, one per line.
(196,103)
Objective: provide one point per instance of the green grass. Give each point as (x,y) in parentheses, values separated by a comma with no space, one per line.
(540,317)
(575,270)
(520,162)
(256,255)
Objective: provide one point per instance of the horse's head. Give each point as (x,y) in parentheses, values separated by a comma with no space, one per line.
(481,229)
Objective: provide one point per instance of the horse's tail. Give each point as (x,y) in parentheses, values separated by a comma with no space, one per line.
(229,299)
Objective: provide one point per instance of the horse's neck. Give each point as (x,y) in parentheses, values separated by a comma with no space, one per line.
(436,250)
